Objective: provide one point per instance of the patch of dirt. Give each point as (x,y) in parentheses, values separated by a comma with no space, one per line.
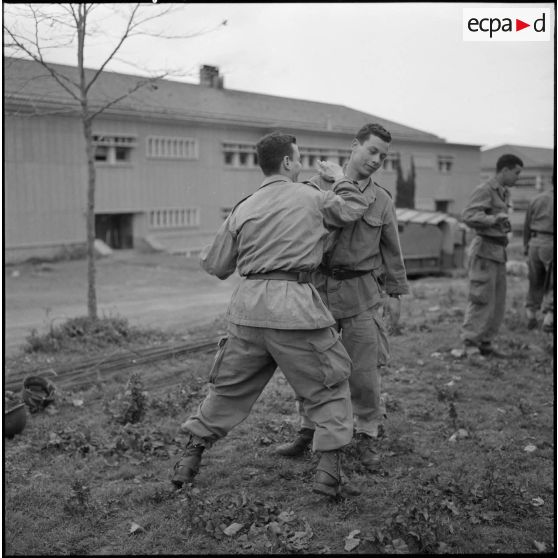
(155,290)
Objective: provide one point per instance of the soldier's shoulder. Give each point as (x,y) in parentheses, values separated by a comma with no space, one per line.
(240,202)
(311,184)
(483,190)
(486,185)
(383,191)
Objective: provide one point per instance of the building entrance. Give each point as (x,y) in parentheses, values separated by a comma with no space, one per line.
(115,230)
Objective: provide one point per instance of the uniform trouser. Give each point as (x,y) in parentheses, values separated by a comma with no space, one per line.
(487,300)
(314,362)
(541,257)
(360,336)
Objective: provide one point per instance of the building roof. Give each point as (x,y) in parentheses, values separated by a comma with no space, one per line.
(531,156)
(28,84)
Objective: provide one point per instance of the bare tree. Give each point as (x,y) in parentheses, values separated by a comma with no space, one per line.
(33,30)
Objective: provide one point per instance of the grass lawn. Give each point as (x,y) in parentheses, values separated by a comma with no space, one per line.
(468,456)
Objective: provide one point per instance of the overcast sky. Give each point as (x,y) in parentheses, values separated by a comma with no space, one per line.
(405,62)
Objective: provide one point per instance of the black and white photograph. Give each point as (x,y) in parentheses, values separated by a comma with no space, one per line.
(279,278)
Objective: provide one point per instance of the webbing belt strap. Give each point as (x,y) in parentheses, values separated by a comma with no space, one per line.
(298,276)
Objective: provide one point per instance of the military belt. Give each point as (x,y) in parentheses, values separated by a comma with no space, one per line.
(298,276)
(499,240)
(340,273)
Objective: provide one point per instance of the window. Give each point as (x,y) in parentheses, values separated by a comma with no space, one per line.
(113,149)
(526,181)
(442,205)
(445,163)
(163,147)
(391,162)
(122,154)
(309,156)
(174,218)
(240,155)
(243,155)
(101,153)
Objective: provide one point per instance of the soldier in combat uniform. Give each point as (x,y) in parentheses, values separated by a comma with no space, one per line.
(275,239)
(349,282)
(487,214)
(538,241)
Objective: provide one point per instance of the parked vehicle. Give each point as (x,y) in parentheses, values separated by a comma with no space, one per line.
(431,241)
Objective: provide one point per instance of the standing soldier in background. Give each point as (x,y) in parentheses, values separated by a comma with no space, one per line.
(275,238)
(348,281)
(487,214)
(538,241)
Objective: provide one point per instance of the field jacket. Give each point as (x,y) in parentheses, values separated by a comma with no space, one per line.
(539,219)
(282,226)
(487,200)
(369,244)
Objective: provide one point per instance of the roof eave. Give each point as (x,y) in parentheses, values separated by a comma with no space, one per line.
(45,106)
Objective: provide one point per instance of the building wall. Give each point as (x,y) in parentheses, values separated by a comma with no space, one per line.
(44,182)
(451,186)
(175,202)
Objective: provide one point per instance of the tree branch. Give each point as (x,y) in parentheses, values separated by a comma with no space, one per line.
(136,87)
(60,78)
(115,49)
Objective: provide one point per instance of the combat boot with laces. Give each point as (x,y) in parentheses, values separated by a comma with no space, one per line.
(366,451)
(299,445)
(187,467)
(330,478)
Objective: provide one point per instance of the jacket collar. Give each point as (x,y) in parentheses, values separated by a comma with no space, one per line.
(502,191)
(366,183)
(362,184)
(273,179)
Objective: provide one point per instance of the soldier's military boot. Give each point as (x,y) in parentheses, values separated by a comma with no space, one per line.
(299,445)
(531,319)
(330,478)
(187,467)
(366,451)
(548,322)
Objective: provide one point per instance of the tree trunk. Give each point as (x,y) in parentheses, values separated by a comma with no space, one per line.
(91,271)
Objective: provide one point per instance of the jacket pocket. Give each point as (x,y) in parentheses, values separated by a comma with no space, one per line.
(221,345)
(335,362)
(383,341)
(372,221)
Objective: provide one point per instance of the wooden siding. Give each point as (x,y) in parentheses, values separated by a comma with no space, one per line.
(44,182)
(45,176)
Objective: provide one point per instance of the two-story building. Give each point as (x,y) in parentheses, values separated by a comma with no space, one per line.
(172,158)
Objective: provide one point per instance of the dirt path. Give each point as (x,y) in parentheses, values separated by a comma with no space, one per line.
(152,290)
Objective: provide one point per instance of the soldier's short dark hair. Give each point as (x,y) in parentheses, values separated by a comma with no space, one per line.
(508,161)
(373,129)
(271,149)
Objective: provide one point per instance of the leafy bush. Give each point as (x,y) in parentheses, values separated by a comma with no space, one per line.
(85,333)
(130,406)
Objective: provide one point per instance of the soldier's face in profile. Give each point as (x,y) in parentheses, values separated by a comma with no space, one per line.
(510,176)
(293,163)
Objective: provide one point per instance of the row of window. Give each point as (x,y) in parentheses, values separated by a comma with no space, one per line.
(116,149)
(174,218)
(243,155)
